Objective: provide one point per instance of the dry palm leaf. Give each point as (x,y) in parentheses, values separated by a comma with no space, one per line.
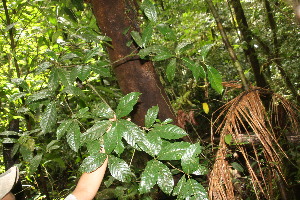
(247,112)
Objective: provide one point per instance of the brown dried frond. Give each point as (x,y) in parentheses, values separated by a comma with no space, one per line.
(247,112)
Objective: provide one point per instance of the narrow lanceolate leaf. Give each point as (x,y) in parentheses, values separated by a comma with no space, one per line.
(197,70)
(151,116)
(147,34)
(104,110)
(149,10)
(149,177)
(172,151)
(151,144)
(96,131)
(137,38)
(48,119)
(168,131)
(126,104)
(215,79)
(73,136)
(131,133)
(119,169)
(170,71)
(92,162)
(165,179)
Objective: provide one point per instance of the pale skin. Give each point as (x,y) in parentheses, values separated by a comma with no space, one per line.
(89,183)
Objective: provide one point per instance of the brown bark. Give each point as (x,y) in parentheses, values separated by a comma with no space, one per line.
(133,74)
(249,49)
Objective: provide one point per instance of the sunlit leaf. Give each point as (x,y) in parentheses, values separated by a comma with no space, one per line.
(63,128)
(178,188)
(131,132)
(172,151)
(126,104)
(215,79)
(151,144)
(48,119)
(90,54)
(73,136)
(149,10)
(165,179)
(149,177)
(151,116)
(92,162)
(119,169)
(104,110)
(35,162)
(168,131)
(228,138)
(96,131)
(83,72)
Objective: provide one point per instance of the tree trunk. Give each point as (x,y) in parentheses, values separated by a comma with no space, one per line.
(230,50)
(249,50)
(133,74)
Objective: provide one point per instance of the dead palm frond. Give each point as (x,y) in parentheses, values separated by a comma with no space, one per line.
(246,114)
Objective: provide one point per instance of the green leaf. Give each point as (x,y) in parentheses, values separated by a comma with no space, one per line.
(151,144)
(83,71)
(190,159)
(35,162)
(228,139)
(178,188)
(197,70)
(147,34)
(168,131)
(166,31)
(96,131)
(151,116)
(113,138)
(64,77)
(73,90)
(48,119)
(93,147)
(43,66)
(149,10)
(137,38)
(237,166)
(101,67)
(215,79)
(202,170)
(170,71)
(196,189)
(149,177)
(82,113)
(154,49)
(165,179)
(73,136)
(53,81)
(183,46)
(63,128)
(90,54)
(104,110)
(43,94)
(52,146)
(163,55)
(119,169)
(131,132)
(126,104)
(172,151)
(92,162)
